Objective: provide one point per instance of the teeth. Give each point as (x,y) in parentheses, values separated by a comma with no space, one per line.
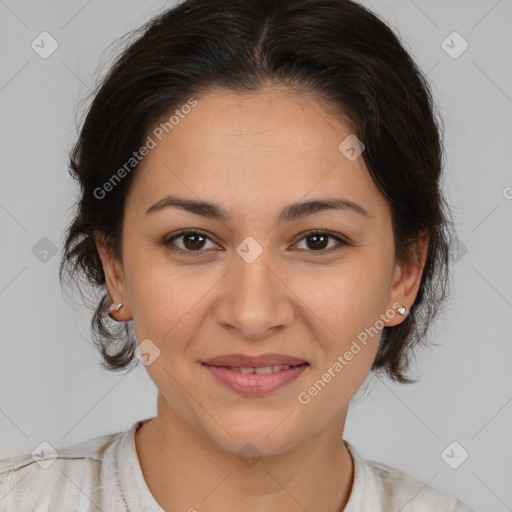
(263,369)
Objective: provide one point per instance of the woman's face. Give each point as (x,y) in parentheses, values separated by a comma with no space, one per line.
(255,282)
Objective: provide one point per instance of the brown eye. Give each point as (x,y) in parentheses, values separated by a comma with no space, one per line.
(192,241)
(318,241)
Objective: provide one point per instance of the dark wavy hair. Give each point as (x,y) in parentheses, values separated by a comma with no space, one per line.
(337,50)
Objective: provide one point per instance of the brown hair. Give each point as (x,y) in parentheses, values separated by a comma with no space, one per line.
(336,49)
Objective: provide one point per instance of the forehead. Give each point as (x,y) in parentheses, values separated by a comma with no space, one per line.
(274,145)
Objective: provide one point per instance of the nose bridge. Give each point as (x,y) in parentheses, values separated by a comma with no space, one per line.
(254,281)
(255,299)
(252,268)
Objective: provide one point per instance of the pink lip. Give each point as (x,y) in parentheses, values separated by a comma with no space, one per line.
(246,361)
(253,383)
(221,367)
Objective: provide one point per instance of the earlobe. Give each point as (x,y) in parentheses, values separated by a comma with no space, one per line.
(407,278)
(114,277)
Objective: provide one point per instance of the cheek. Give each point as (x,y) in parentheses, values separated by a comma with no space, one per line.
(168,300)
(343,314)
(347,299)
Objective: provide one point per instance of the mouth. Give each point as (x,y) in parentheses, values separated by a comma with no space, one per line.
(248,361)
(260,370)
(254,379)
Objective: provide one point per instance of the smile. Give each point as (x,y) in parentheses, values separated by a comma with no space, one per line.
(255,381)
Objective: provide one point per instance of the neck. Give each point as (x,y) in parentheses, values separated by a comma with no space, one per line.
(185,470)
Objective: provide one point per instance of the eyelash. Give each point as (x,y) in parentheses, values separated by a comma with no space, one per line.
(169,241)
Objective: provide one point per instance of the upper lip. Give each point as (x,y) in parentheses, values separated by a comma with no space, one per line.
(246,361)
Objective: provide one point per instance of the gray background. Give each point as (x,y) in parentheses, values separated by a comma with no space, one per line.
(51,385)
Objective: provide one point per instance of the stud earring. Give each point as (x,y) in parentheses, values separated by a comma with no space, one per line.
(402,310)
(113,308)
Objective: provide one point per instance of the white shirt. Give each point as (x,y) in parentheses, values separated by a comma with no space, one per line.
(103,474)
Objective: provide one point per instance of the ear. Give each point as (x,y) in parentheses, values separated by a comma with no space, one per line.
(114,276)
(407,279)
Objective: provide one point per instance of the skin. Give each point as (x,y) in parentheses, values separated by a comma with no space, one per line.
(254,154)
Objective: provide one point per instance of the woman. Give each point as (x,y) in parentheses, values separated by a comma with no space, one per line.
(260,201)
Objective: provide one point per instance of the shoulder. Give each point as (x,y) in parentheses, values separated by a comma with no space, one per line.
(393,489)
(403,490)
(75,476)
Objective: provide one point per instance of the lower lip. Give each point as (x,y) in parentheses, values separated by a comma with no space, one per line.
(254,383)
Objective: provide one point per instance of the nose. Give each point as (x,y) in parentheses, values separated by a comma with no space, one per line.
(255,300)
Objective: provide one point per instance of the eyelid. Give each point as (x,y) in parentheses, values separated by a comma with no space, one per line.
(168,241)
(329,234)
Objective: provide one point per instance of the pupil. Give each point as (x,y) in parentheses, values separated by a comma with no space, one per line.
(315,245)
(193,236)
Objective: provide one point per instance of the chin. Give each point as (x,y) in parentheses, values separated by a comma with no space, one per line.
(256,439)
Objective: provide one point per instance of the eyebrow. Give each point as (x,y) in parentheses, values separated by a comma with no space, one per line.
(288,214)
